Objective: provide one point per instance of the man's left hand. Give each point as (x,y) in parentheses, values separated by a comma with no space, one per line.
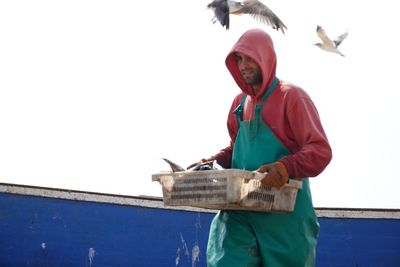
(277,174)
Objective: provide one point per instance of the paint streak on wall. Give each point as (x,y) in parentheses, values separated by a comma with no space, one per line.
(177,256)
(91,255)
(184,246)
(195,259)
(195,255)
(196,248)
(179,250)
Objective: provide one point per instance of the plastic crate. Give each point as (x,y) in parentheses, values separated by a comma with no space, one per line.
(229,189)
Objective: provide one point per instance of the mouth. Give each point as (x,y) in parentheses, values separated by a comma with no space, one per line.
(247,73)
(244,71)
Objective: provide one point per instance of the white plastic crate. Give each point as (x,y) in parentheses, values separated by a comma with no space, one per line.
(229,189)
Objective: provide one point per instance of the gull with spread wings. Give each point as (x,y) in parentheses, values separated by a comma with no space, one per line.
(256,9)
(328,44)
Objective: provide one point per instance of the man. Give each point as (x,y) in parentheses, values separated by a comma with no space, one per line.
(274,127)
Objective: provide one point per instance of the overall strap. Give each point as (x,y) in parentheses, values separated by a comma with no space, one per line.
(269,90)
(239,109)
(255,123)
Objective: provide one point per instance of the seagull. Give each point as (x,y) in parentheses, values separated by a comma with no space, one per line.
(259,11)
(328,44)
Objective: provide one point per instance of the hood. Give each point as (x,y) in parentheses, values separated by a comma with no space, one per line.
(258,45)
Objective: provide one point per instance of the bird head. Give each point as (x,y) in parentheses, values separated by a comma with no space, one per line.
(211,5)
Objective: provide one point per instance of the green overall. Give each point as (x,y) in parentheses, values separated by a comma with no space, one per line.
(269,239)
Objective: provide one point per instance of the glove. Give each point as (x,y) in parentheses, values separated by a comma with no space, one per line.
(277,174)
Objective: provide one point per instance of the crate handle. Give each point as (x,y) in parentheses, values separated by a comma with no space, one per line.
(259,175)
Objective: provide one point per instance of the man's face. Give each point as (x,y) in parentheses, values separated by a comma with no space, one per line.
(249,69)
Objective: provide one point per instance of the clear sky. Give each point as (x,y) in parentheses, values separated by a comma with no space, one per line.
(94,93)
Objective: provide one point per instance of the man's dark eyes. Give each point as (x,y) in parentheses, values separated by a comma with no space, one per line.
(238,58)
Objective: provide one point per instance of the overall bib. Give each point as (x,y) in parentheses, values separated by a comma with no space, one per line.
(269,239)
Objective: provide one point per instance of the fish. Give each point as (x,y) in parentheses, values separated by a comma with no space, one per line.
(204,166)
(174,167)
(201,166)
(328,44)
(256,9)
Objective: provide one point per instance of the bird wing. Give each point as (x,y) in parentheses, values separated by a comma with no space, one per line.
(262,13)
(221,11)
(322,35)
(338,40)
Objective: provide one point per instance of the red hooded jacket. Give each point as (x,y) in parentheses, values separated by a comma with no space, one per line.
(288,111)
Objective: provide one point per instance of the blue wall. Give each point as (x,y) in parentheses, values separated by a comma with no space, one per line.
(37,231)
(359,243)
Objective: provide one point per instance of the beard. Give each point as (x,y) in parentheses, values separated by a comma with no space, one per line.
(256,78)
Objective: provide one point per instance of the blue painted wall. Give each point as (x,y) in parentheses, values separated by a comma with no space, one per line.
(41,232)
(359,243)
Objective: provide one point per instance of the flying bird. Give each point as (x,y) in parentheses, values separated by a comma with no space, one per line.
(328,44)
(256,9)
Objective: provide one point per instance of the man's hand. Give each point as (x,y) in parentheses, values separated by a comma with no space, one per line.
(277,174)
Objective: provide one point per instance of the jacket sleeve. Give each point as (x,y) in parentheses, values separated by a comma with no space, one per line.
(224,156)
(314,152)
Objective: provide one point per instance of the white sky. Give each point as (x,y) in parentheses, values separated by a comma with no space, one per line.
(94,93)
